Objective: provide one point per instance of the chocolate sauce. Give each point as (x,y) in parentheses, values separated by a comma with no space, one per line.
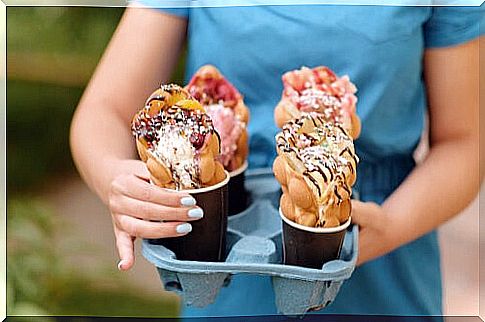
(314,181)
(326,149)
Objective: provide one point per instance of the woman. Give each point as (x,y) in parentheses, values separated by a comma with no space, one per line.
(406,61)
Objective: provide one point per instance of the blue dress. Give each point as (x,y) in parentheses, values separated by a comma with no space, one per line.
(381,49)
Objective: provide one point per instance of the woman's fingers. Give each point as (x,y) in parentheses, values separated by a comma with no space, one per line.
(125,246)
(132,186)
(153,211)
(147,229)
(132,197)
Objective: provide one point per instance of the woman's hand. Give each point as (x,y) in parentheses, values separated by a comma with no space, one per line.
(141,209)
(376,235)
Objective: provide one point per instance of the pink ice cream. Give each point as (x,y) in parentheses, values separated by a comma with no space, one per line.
(229,128)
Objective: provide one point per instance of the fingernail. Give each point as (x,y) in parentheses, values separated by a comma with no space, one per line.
(120,263)
(187,201)
(184,228)
(195,213)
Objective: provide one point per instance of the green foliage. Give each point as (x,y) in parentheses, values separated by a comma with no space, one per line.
(82,31)
(39,111)
(38,120)
(41,282)
(31,253)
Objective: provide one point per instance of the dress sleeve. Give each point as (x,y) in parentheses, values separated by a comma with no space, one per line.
(449,26)
(173,7)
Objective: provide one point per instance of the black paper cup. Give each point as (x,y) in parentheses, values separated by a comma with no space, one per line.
(238,196)
(309,246)
(207,240)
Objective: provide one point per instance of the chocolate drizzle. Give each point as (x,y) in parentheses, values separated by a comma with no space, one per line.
(324,150)
(314,181)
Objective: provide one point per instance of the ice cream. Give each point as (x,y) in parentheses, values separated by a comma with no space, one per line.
(226,108)
(319,90)
(177,140)
(316,166)
(229,127)
(177,151)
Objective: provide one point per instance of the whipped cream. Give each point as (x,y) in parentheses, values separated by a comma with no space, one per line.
(177,153)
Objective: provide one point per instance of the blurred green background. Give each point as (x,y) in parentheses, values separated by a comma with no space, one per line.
(51,54)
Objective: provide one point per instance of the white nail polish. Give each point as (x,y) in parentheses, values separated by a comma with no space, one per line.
(184,228)
(195,213)
(120,263)
(187,201)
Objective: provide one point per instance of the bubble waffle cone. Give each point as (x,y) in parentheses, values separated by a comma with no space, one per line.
(318,90)
(316,167)
(230,115)
(176,139)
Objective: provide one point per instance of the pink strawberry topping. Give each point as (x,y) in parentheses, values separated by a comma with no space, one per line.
(219,98)
(213,90)
(320,90)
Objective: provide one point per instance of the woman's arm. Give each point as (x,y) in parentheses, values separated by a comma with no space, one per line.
(449,178)
(141,55)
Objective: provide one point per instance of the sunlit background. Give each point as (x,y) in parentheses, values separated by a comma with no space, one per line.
(61,254)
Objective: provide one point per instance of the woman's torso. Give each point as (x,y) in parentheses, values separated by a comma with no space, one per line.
(380,48)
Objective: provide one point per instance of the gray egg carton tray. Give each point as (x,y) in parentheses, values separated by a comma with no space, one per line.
(254,246)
